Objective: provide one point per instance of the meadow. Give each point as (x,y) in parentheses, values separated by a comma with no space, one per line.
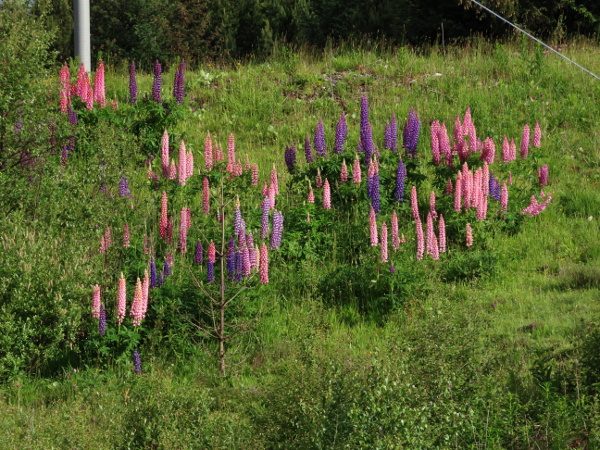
(258,300)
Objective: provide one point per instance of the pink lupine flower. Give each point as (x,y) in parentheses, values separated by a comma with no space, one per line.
(535,207)
(264,264)
(265,191)
(121,299)
(183,230)
(163,216)
(212,252)
(504,197)
(164,154)
(169,231)
(311,195)
(145,294)
(458,132)
(230,153)
(271,196)
(99,89)
(189,164)
(482,206)
(82,83)
(149,173)
(205,196)
(172,171)
(429,234)
(489,151)
(126,237)
(254,174)
(510,179)
(65,88)
(102,245)
(208,153)
(537,135)
(513,149)
(485,181)
(89,100)
(414,204)
(467,188)
(96,301)
(182,168)
(274,180)
(420,240)
(543,175)
(247,163)
(469,235)
(356,171)
(432,205)
(319,179)
(136,305)
(394,224)
(373,228)
(442,233)
(344,172)
(326,195)
(506,153)
(384,242)
(525,142)
(476,191)
(444,141)
(217,153)
(449,187)
(435,142)
(458,193)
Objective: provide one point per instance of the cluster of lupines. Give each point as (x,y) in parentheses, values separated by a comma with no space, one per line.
(179,83)
(535,207)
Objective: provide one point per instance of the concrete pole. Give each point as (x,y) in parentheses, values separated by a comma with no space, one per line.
(82,33)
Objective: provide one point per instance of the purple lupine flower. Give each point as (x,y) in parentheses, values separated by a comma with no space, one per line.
(367,143)
(392,268)
(72,117)
(375,200)
(124,187)
(179,83)
(341,132)
(308,150)
(394,133)
(238,265)
(156,87)
(198,254)
(364,119)
(264,225)
(166,269)
(133,89)
(290,157)
(210,272)
(137,363)
(411,133)
(277,230)
(231,258)
(237,219)
(494,187)
(102,323)
(387,136)
(153,280)
(320,147)
(400,180)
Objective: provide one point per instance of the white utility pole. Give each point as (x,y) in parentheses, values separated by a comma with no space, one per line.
(82,33)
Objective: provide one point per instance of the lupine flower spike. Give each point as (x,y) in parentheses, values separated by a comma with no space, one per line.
(373,228)
(264,264)
(395,238)
(182,168)
(99,89)
(420,239)
(96,302)
(384,242)
(469,235)
(537,135)
(65,88)
(326,195)
(442,234)
(137,363)
(133,89)
(156,87)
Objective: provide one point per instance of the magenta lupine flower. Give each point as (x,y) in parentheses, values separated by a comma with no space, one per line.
(525,142)
(208,152)
(384,242)
(156,87)
(469,235)
(246,261)
(400,181)
(356,171)
(277,230)
(449,187)
(481,206)
(121,299)
(444,140)
(535,207)
(344,172)
(326,195)
(199,253)
(182,168)
(411,133)
(467,187)
(442,233)
(126,237)
(145,294)
(133,89)
(183,230)
(254,251)
(65,88)
(543,175)
(435,142)
(429,234)
(537,135)
(432,205)
(506,156)
(89,100)
(205,196)
(96,300)
(513,150)
(311,195)
(320,147)
(435,249)
(307,150)
(341,133)
(230,154)
(264,264)
(414,204)
(373,228)
(485,182)
(458,193)
(163,216)
(212,252)
(420,240)
(265,191)
(274,180)
(395,238)
(99,89)
(169,231)
(489,151)
(82,83)
(264,228)
(189,164)
(254,174)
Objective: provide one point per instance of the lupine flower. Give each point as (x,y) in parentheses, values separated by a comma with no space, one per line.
(414,204)
(137,363)
(341,133)
(367,143)
(99,89)
(172,170)
(400,179)
(311,195)
(384,242)
(161,279)
(432,205)
(411,133)
(72,117)
(274,180)
(169,232)
(205,196)
(166,269)
(387,137)
(81,86)
(469,235)
(230,260)
(271,196)
(375,186)
(153,280)
(420,240)
(218,153)
(107,237)
(435,142)
(373,228)
(124,187)
(253,251)
(320,147)
(96,302)
(198,253)
(449,187)
(156,87)
(264,264)
(163,216)
(121,299)
(238,265)
(210,272)
(489,151)
(145,294)
(290,157)
(179,83)
(543,175)
(442,233)
(230,154)
(537,135)
(212,252)
(307,150)
(164,153)
(535,207)
(344,172)
(504,197)
(429,234)
(394,224)
(133,89)
(182,168)
(506,156)
(513,150)
(444,141)
(482,207)
(277,230)
(319,179)
(65,88)
(102,323)
(392,268)
(136,306)
(326,195)
(126,237)
(364,120)
(246,262)
(435,249)
(254,174)
(356,171)
(208,152)
(525,142)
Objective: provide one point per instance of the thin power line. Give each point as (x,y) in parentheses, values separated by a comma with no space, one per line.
(535,39)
